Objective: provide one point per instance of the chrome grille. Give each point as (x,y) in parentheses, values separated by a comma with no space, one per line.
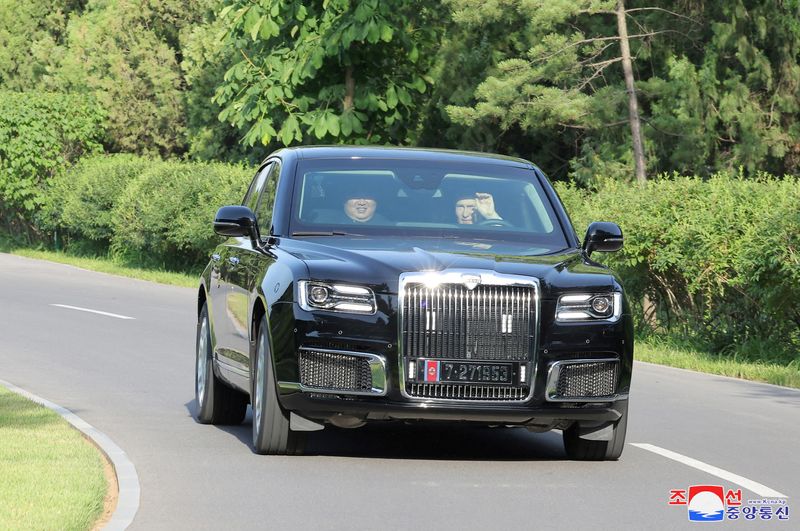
(336,372)
(585,380)
(450,321)
(467,392)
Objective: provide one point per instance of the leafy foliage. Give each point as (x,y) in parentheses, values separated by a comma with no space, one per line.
(720,258)
(333,70)
(164,216)
(30,33)
(41,134)
(121,53)
(81,200)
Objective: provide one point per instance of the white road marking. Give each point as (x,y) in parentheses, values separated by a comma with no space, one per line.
(758,488)
(127,477)
(98,312)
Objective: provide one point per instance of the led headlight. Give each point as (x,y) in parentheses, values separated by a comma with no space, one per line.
(589,307)
(315,295)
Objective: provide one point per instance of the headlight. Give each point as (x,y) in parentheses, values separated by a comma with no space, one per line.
(347,298)
(589,307)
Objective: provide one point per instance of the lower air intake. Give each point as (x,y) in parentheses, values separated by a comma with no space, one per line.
(335,372)
(583,380)
(468,392)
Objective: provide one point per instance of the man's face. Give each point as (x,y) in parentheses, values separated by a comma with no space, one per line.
(360,208)
(464,211)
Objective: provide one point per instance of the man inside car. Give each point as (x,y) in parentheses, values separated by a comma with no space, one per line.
(480,203)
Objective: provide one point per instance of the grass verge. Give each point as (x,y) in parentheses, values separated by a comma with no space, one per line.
(51,476)
(664,353)
(106,265)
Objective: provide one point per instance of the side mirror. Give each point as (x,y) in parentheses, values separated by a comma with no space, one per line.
(237,221)
(602,236)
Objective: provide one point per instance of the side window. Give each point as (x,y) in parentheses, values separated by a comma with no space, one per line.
(266,198)
(255,186)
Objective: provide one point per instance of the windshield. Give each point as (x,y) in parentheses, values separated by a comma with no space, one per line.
(423,198)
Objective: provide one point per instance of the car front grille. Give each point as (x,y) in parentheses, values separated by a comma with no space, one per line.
(450,321)
(468,392)
(335,371)
(583,380)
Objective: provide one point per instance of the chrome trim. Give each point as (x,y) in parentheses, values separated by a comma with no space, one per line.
(456,276)
(552,382)
(377,365)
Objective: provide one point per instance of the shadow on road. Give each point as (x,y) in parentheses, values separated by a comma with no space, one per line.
(430,440)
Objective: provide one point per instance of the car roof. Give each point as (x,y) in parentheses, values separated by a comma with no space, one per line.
(386,152)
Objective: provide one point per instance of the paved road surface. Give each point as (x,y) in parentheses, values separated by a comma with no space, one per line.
(133,380)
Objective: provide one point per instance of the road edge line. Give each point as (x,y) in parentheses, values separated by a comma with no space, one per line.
(124,469)
(753,486)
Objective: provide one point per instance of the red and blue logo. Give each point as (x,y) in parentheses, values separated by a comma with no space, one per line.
(706,503)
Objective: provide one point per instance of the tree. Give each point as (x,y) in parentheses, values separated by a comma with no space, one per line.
(30,32)
(332,70)
(562,76)
(124,54)
(734,100)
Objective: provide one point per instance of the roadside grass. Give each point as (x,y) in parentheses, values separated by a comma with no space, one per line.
(665,352)
(51,477)
(103,265)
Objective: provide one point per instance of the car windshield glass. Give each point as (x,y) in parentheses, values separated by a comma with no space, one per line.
(392,197)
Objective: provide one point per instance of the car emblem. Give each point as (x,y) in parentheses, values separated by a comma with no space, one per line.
(471,281)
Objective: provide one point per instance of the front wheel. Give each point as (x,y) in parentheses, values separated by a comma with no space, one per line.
(271,433)
(585,449)
(216,402)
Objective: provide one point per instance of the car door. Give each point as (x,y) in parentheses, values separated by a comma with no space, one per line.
(230,305)
(244,270)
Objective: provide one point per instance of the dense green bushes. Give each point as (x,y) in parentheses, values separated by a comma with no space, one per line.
(164,216)
(148,212)
(40,135)
(718,259)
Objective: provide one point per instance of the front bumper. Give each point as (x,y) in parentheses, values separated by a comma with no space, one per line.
(378,335)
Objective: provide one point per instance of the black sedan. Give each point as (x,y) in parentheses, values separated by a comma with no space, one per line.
(372,284)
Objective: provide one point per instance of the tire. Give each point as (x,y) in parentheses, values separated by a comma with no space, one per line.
(588,450)
(271,433)
(216,402)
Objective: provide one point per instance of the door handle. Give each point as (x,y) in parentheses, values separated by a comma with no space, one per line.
(215,257)
(233,260)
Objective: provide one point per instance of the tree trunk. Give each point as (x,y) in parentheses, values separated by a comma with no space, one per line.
(349,89)
(633,102)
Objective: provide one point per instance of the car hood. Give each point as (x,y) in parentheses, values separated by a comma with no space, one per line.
(378,263)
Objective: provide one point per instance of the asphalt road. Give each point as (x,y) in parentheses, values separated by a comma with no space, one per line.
(133,380)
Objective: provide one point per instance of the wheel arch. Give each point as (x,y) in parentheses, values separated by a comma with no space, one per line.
(202,297)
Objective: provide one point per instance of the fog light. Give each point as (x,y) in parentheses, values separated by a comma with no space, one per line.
(319,294)
(601,304)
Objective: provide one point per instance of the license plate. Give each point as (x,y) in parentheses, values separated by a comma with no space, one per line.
(467,372)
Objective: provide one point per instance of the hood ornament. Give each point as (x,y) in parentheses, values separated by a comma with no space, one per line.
(471,281)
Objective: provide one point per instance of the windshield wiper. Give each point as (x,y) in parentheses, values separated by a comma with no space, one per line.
(321,233)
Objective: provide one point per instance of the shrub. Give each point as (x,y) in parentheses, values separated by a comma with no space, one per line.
(164,217)
(41,134)
(81,200)
(719,258)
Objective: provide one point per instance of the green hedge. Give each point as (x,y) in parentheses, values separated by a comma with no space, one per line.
(144,211)
(81,200)
(719,259)
(164,217)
